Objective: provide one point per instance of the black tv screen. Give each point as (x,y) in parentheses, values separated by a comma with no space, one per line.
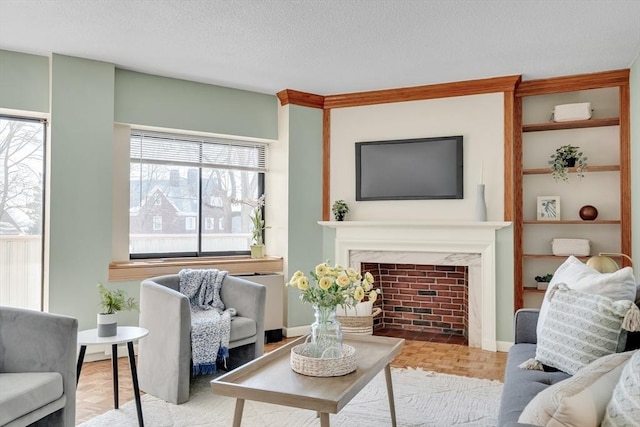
(409,169)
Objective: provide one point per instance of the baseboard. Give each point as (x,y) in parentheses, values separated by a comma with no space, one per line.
(503,346)
(297,331)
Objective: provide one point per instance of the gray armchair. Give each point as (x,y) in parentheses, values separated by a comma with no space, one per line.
(164,356)
(37,368)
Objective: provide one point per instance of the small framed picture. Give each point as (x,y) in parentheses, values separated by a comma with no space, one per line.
(548,208)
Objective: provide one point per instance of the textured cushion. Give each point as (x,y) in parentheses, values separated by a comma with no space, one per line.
(580,328)
(619,285)
(22,393)
(624,407)
(580,400)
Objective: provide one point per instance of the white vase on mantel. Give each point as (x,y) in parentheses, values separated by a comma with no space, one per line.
(481,206)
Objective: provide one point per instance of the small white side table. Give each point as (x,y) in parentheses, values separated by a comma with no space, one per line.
(126,334)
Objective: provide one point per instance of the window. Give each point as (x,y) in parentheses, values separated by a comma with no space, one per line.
(201,183)
(190,223)
(157,223)
(21,211)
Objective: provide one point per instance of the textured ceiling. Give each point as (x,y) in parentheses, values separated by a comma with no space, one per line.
(331,46)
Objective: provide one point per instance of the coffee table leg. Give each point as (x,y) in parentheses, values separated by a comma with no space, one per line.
(237,415)
(114,364)
(134,378)
(324,419)
(392,405)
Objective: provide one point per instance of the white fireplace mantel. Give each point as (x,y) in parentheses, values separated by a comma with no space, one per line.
(471,243)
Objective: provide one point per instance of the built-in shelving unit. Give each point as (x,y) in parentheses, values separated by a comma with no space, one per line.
(605,140)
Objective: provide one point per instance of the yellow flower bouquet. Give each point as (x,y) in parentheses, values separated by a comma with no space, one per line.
(334,286)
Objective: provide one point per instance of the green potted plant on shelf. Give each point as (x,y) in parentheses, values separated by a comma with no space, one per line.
(111,302)
(340,209)
(565,157)
(543,281)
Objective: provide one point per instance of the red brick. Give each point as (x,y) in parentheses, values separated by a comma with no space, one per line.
(446,281)
(436,274)
(442,312)
(425,267)
(451,306)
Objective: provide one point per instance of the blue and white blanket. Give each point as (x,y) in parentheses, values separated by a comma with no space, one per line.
(210,322)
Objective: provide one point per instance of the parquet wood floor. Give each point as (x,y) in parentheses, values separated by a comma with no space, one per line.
(95,392)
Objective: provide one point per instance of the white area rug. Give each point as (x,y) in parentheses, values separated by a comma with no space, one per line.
(422,399)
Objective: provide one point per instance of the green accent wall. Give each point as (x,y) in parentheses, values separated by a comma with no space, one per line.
(634,82)
(80,207)
(305,203)
(144,99)
(24,82)
(504,284)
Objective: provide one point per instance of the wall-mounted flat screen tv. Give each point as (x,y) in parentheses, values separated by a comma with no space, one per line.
(410,169)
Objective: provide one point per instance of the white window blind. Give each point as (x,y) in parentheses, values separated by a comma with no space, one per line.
(165,148)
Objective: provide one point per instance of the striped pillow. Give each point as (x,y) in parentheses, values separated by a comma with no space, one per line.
(624,408)
(580,328)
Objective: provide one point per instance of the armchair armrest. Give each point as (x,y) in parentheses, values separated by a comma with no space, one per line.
(524,324)
(248,298)
(32,341)
(166,351)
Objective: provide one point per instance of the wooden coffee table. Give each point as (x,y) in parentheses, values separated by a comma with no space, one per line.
(270,379)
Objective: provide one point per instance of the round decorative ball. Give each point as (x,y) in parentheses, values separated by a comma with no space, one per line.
(588,213)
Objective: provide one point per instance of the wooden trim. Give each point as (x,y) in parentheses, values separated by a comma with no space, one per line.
(573,83)
(326,164)
(290,96)
(595,168)
(142,269)
(573,221)
(576,124)
(508,155)
(418,93)
(625,172)
(518,230)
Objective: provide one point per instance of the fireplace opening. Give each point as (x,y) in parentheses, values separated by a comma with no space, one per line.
(422,302)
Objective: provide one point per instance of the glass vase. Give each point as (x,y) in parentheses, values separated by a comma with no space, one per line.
(326,333)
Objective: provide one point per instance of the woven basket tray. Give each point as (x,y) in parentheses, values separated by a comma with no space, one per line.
(360,325)
(303,363)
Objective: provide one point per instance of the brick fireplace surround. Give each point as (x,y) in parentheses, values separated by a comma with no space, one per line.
(425,298)
(470,245)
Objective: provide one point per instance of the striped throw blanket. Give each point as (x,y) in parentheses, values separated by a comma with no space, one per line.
(210,322)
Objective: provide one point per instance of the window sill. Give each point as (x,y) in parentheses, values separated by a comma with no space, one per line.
(145,268)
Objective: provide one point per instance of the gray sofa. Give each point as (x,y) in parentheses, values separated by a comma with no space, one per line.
(164,356)
(521,385)
(37,368)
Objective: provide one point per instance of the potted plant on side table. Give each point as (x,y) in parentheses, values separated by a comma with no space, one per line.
(111,302)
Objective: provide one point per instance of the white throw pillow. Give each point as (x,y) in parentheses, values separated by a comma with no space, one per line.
(587,408)
(546,404)
(624,408)
(619,285)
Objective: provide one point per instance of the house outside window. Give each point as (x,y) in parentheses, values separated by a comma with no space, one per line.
(194,184)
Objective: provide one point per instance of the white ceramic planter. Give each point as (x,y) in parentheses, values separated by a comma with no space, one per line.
(257,251)
(107,324)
